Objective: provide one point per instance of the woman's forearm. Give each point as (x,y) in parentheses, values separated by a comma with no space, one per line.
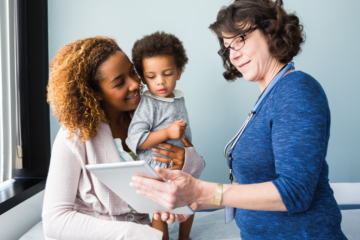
(260,196)
(185,189)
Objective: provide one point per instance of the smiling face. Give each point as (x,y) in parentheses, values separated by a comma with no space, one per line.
(119,89)
(160,75)
(254,60)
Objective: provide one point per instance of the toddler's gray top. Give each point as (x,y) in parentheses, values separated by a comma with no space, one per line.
(155,113)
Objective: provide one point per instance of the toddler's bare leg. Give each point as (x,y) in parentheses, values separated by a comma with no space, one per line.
(161,226)
(185,228)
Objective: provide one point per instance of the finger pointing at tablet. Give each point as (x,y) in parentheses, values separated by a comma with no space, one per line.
(182,190)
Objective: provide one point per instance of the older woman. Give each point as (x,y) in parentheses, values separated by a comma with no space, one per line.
(93,90)
(278,157)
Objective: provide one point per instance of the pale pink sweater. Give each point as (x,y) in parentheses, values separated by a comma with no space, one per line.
(78,206)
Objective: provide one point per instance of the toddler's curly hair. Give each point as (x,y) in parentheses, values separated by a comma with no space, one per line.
(74,78)
(158,44)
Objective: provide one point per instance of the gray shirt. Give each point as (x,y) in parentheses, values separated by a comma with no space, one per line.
(152,114)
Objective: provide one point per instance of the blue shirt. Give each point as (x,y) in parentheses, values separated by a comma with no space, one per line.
(286,143)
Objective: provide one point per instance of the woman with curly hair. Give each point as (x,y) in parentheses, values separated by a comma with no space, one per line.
(278,156)
(93,90)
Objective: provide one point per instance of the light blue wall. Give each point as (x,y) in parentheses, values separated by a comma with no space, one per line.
(218,108)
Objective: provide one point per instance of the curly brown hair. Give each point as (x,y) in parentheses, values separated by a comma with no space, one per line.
(74,79)
(158,44)
(283,31)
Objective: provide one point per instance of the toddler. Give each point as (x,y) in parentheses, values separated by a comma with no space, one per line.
(161,116)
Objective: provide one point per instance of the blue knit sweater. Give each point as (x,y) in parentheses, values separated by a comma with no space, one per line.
(286,143)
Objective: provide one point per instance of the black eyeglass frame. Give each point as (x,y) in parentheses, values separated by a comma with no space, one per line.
(225,52)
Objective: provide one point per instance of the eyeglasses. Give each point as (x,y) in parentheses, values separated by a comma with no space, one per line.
(235,44)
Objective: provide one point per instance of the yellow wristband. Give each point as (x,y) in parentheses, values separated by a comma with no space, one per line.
(218,195)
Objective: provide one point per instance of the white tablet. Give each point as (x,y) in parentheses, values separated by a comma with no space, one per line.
(117,177)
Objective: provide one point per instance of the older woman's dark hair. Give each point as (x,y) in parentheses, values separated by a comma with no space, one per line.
(283,31)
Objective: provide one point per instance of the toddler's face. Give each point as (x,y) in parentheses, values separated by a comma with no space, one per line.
(160,75)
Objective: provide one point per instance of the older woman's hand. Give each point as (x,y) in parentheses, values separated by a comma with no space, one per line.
(182,190)
(177,154)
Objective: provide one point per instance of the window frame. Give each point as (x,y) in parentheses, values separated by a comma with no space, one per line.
(7,92)
(33,71)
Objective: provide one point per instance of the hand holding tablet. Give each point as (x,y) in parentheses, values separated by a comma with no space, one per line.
(117,176)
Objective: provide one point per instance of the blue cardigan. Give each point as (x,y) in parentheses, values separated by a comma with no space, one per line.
(286,143)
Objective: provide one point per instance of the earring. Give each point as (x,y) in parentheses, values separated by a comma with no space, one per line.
(141,88)
(97,97)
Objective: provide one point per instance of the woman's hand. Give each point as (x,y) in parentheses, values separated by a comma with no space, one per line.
(182,190)
(177,154)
